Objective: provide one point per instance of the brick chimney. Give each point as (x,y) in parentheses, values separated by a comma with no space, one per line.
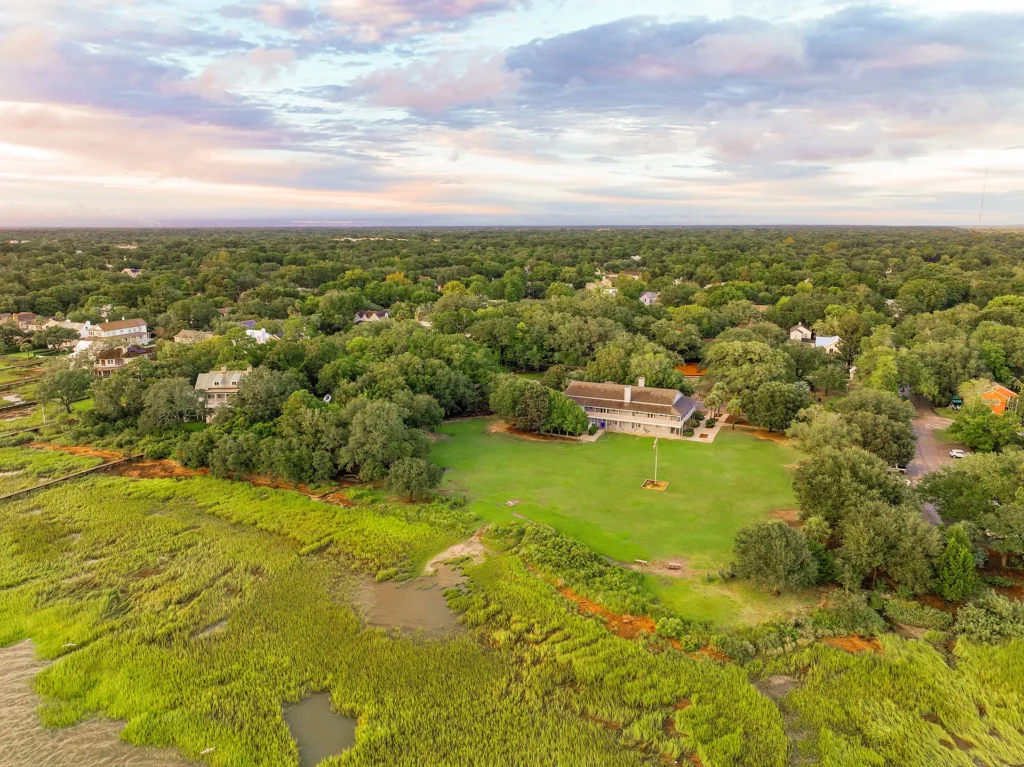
(628,394)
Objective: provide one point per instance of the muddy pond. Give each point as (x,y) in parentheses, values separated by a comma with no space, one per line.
(90,744)
(417,605)
(318,730)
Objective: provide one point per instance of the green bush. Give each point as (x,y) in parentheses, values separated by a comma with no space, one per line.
(848,613)
(736,647)
(679,628)
(918,615)
(998,581)
(710,423)
(990,619)
(503,537)
(687,432)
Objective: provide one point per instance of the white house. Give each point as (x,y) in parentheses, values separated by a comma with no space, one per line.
(648,298)
(633,409)
(260,336)
(801,332)
(133,273)
(220,385)
(123,331)
(829,343)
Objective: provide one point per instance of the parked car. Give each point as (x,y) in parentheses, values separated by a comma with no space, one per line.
(901,468)
(957,453)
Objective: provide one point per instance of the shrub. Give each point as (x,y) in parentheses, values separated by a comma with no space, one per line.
(998,581)
(737,648)
(503,537)
(828,570)
(848,614)
(914,614)
(592,430)
(687,432)
(956,577)
(990,618)
(710,423)
(774,556)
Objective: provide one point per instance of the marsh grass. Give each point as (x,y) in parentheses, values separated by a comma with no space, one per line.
(21,469)
(117,579)
(909,704)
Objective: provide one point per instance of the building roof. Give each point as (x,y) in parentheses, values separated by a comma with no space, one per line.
(826,340)
(799,326)
(999,389)
(123,352)
(643,399)
(220,379)
(122,324)
(192,335)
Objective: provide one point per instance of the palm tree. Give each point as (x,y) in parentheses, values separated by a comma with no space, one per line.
(713,399)
(735,409)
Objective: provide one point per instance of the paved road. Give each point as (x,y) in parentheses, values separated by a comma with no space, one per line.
(931,455)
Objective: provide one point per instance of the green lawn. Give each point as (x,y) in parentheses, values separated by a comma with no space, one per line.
(592,493)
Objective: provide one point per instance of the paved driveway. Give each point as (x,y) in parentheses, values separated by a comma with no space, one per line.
(931,455)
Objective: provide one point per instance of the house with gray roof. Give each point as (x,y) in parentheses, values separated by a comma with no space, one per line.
(639,409)
(220,386)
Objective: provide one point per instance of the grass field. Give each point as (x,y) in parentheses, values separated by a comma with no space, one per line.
(591,491)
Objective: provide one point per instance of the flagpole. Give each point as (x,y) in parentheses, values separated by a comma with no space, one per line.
(655,459)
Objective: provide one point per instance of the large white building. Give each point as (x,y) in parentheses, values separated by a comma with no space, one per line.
(122,331)
(633,409)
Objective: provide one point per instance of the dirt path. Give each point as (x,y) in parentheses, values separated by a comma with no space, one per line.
(854,643)
(680,569)
(473,548)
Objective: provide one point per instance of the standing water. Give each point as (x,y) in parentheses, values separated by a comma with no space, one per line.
(90,744)
(318,731)
(417,605)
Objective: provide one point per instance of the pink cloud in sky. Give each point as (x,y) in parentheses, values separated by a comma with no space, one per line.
(758,52)
(374,20)
(28,46)
(257,66)
(446,81)
(748,52)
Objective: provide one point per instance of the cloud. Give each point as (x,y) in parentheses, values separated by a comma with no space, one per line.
(379,20)
(749,52)
(367,22)
(434,85)
(32,46)
(258,66)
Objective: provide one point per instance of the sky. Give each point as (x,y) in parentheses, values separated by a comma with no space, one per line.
(511,112)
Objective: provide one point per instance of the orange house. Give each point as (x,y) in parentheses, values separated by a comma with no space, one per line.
(691,370)
(999,398)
